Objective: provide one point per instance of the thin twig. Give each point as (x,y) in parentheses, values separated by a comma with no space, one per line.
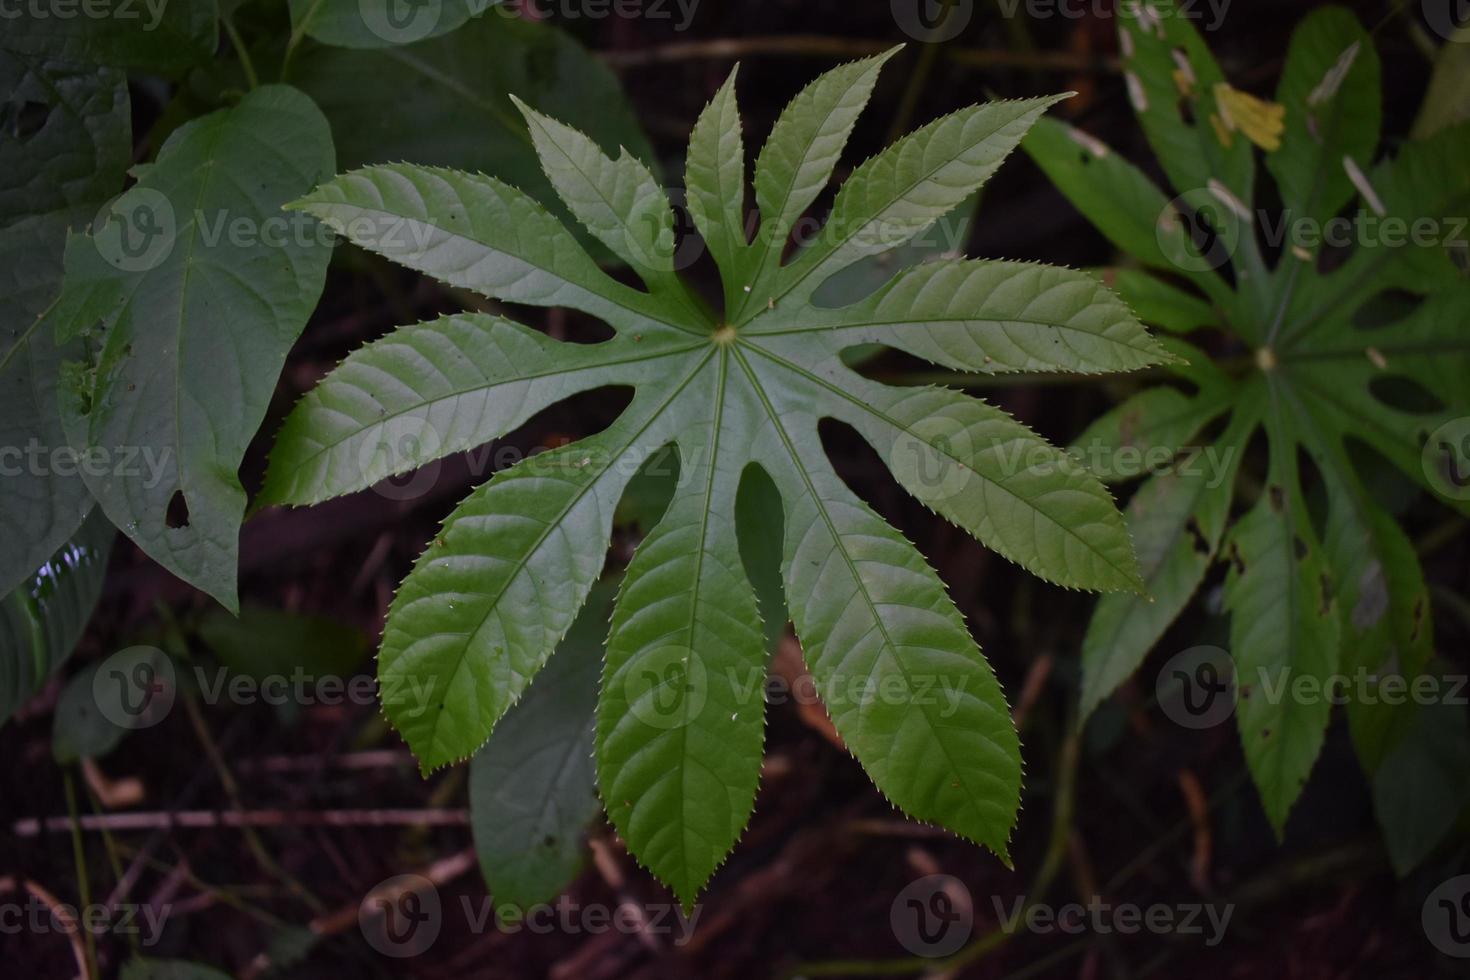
(232,790)
(64,918)
(84,879)
(1056,854)
(821,46)
(209,819)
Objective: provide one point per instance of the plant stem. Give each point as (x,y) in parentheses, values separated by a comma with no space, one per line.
(79,859)
(820,46)
(232,790)
(240,49)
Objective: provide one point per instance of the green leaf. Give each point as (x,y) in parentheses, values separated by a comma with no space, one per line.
(1145,432)
(1176,520)
(1283,631)
(432,389)
(1120,201)
(715,172)
(532,785)
(446,101)
(679,719)
(1171,78)
(44,617)
(905,189)
(795,165)
(1447,99)
(54,178)
(167,38)
(97,705)
(381,23)
(617,200)
(478,233)
(200,286)
(1333,360)
(1420,792)
(1159,303)
(987,316)
(907,688)
(1330,90)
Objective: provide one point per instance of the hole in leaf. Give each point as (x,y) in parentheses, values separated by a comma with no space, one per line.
(650,490)
(1405,394)
(23,119)
(1386,308)
(760,526)
(1385,482)
(177,515)
(1339,240)
(1314,491)
(577,328)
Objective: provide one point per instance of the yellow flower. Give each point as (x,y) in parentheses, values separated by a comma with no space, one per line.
(1262,122)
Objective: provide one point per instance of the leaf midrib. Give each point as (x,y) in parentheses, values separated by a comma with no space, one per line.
(518,379)
(699,555)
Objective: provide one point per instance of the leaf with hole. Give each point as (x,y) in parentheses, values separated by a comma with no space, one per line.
(189,294)
(1309,595)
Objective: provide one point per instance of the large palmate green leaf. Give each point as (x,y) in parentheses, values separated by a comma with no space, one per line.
(679,718)
(190,294)
(158,36)
(1308,599)
(42,619)
(54,174)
